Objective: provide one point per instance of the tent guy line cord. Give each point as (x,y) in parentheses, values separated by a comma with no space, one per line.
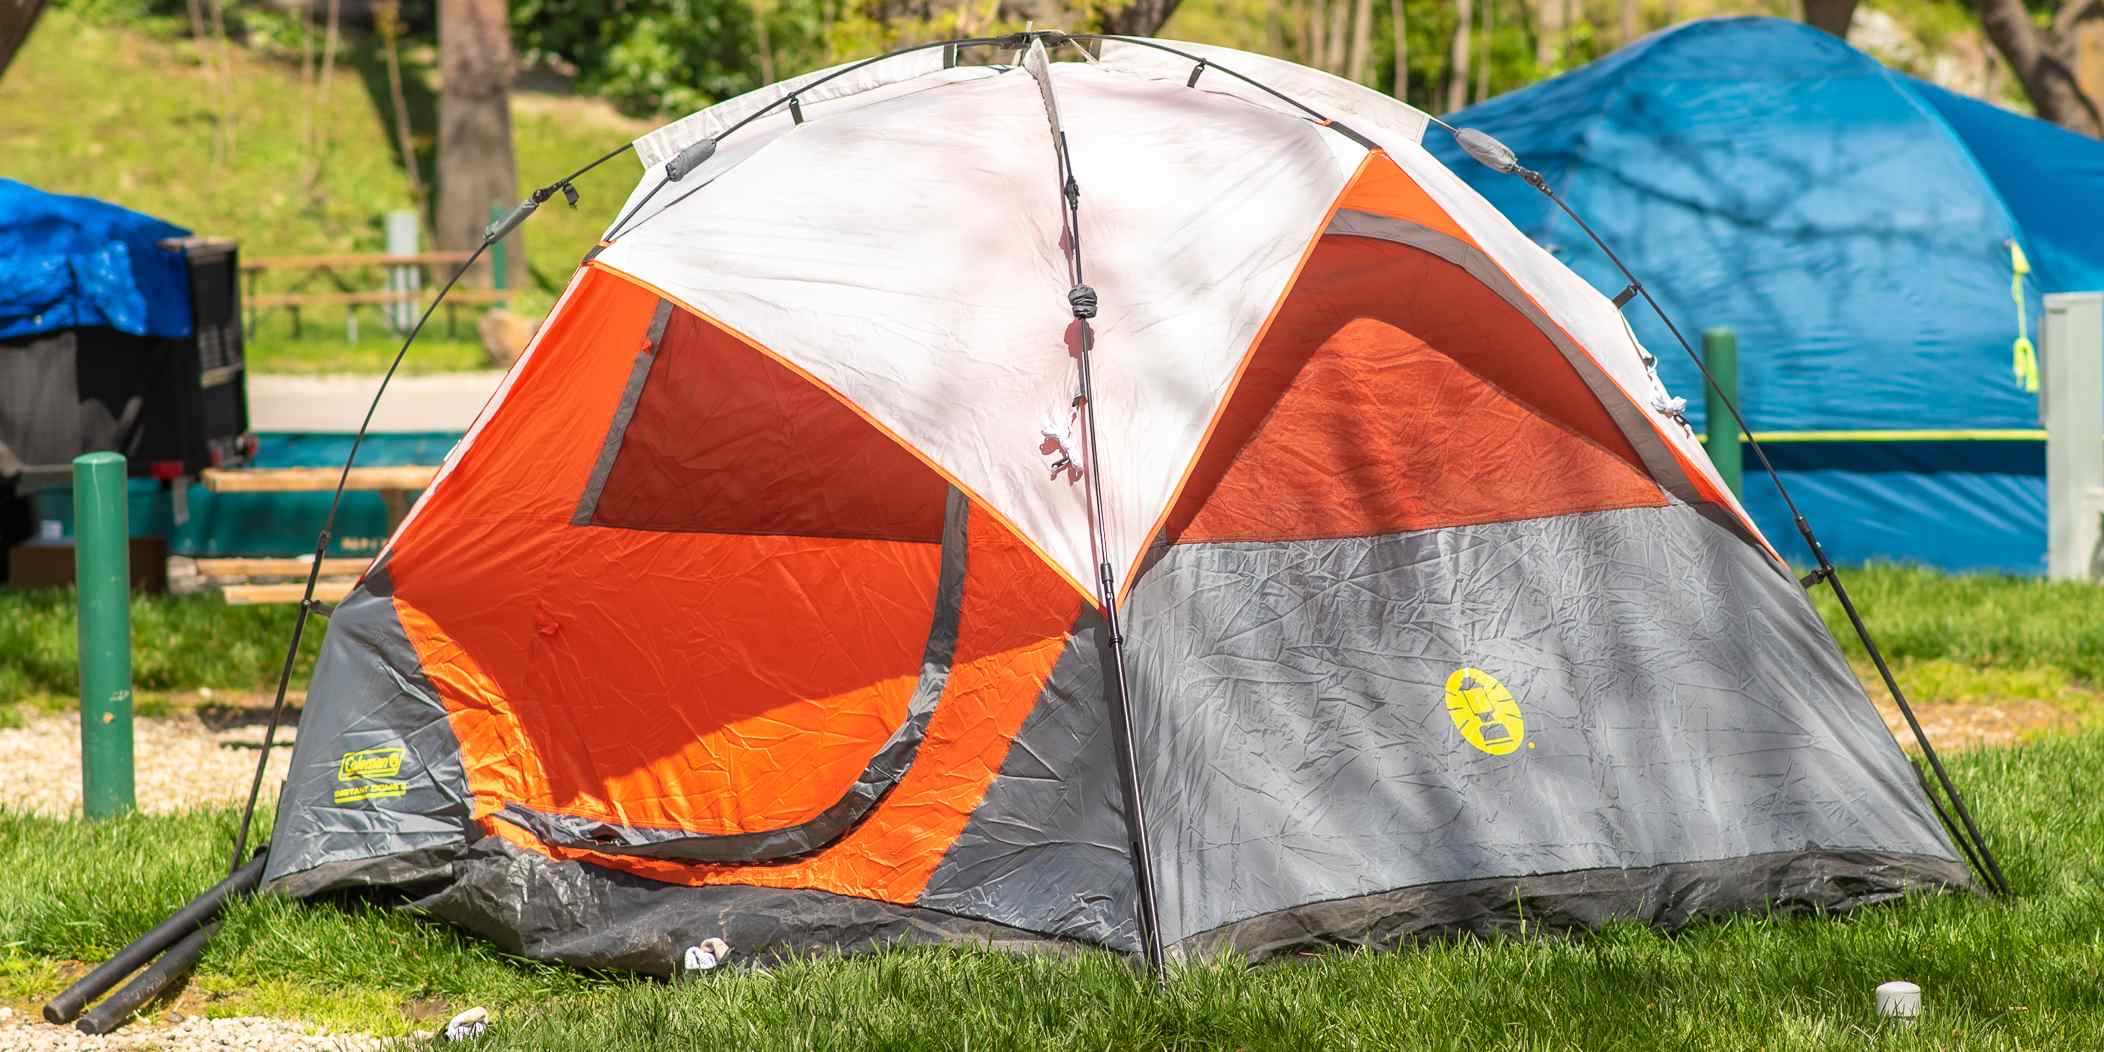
(308,604)
(1496,156)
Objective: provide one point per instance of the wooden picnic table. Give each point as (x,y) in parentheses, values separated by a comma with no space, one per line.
(403,291)
(397,487)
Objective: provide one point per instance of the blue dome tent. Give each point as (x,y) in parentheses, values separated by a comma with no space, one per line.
(1861,231)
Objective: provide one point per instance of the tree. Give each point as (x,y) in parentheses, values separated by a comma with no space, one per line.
(16,19)
(1138,18)
(1362,41)
(1457,60)
(2044,58)
(1830,15)
(1549,17)
(476,166)
(1402,50)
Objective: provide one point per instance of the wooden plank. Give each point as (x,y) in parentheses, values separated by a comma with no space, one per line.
(328,591)
(312,480)
(237,569)
(362,299)
(356,259)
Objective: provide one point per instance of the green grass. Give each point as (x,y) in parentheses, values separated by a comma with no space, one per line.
(1981,620)
(328,351)
(179,643)
(137,128)
(2023,973)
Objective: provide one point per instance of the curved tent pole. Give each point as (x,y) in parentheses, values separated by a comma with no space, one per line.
(1496,156)
(307,605)
(694,153)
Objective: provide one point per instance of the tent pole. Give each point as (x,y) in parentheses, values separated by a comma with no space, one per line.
(308,604)
(1116,688)
(1081,301)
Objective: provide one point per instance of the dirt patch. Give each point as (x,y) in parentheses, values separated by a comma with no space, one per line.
(196,756)
(22,1032)
(1980,718)
(1955,727)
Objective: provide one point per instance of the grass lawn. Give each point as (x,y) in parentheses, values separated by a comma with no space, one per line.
(154,151)
(2024,973)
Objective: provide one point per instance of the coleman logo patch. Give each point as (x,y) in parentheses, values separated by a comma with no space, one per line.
(367,775)
(1484,711)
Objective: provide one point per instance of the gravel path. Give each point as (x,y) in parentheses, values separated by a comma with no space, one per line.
(181,761)
(190,1034)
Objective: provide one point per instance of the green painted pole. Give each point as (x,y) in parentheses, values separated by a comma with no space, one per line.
(102,572)
(499,271)
(1720,352)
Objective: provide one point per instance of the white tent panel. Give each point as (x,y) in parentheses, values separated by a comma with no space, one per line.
(910,258)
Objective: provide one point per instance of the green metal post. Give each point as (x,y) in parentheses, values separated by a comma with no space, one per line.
(499,259)
(1720,351)
(102,572)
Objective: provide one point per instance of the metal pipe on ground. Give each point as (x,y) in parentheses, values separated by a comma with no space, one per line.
(187,921)
(151,983)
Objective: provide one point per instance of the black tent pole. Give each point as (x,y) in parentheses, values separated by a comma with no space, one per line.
(1495,155)
(1081,301)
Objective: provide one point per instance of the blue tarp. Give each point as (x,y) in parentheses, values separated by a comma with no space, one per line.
(75,262)
(1852,225)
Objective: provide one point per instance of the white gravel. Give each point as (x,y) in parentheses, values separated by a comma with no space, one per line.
(178,762)
(189,1034)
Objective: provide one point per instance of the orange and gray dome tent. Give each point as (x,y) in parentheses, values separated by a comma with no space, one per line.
(1104,502)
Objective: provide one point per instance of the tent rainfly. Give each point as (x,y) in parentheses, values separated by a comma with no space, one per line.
(1086,502)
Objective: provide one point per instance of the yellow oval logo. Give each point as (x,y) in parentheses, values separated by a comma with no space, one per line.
(1484,711)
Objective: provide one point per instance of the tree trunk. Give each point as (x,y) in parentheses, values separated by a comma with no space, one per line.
(1830,15)
(1457,59)
(759,29)
(1490,49)
(1362,41)
(1317,48)
(1140,18)
(1402,51)
(1548,34)
(1629,22)
(17,17)
(1340,24)
(476,167)
(318,100)
(2044,60)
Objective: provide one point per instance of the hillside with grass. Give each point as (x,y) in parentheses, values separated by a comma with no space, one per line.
(302,172)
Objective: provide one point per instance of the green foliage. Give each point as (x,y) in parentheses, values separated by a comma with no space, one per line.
(2022,973)
(153,150)
(649,56)
(178,643)
(1983,620)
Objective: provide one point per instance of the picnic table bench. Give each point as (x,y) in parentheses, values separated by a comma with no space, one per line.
(405,279)
(283,580)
